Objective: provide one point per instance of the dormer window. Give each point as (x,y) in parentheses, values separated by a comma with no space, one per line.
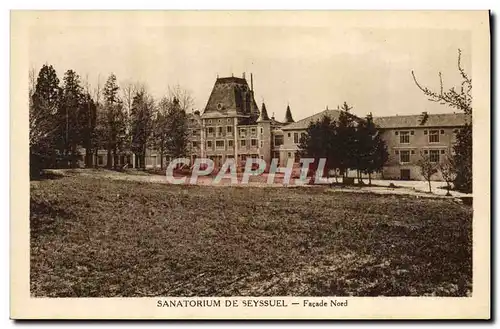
(219,106)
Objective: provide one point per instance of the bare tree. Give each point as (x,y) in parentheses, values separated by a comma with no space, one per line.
(184,96)
(448,171)
(427,168)
(460,99)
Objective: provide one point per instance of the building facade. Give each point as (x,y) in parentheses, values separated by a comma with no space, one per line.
(232,126)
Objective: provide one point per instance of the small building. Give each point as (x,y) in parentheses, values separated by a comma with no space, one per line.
(409,136)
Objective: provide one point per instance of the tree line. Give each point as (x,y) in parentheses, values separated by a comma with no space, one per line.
(348,143)
(68,117)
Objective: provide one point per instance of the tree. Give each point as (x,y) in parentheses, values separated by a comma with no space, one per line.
(88,119)
(44,104)
(461,99)
(161,127)
(115,121)
(372,150)
(141,124)
(448,172)
(89,123)
(427,168)
(319,142)
(69,115)
(346,140)
(183,96)
(177,126)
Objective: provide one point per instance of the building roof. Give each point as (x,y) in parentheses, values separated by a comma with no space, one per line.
(304,123)
(231,96)
(263,114)
(421,120)
(288,115)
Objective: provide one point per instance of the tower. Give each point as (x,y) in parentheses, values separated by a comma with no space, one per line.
(264,134)
(288,115)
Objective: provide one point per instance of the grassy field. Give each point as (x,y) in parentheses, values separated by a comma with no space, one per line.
(104,238)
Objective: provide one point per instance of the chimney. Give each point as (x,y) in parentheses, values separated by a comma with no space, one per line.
(423,118)
(251,81)
(243,75)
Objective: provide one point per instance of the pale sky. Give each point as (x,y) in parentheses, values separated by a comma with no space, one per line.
(309,66)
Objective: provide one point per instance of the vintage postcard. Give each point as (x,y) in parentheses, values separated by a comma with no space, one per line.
(250,165)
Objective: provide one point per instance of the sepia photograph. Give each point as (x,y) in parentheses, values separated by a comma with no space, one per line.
(267,163)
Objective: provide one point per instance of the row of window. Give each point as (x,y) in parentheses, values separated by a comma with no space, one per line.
(210,121)
(404,135)
(230,143)
(229,130)
(405,155)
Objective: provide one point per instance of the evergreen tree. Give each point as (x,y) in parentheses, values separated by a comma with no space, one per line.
(116,122)
(346,140)
(69,125)
(141,125)
(161,133)
(177,126)
(88,120)
(320,142)
(44,104)
(371,150)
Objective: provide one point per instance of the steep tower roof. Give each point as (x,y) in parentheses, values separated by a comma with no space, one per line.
(263,114)
(231,96)
(288,115)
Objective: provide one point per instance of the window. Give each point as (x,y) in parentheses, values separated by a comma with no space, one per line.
(219,130)
(404,156)
(289,154)
(278,140)
(434,155)
(243,132)
(443,151)
(433,136)
(302,136)
(412,151)
(261,144)
(412,133)
(442,132)
(426,152)
(228,120)
(209,144)
(230,143)
(289,135)
(100,160)
(396,152)
(295,138)
(425,132)
(195,144)
(261,130)
(243,142)
(229,129)
(218,121)
(209,121)
(253,142)
(404,137)
(254,131)
(210,130)
(219,144)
